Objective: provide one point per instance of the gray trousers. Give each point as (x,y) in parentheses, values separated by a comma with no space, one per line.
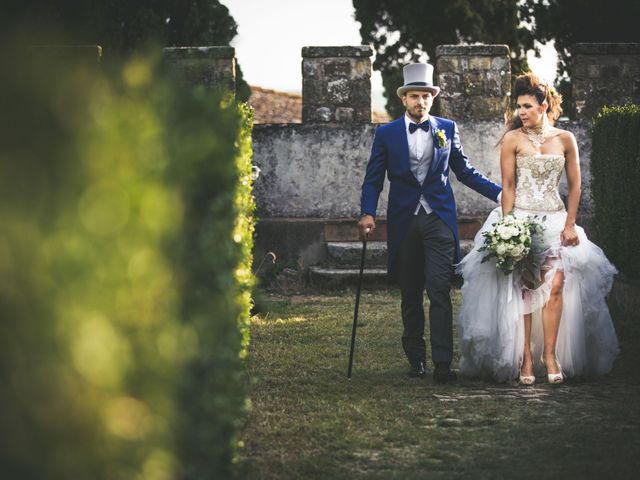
(425,260)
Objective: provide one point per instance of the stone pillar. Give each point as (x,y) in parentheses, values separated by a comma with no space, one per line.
(475,81)
(336,84)
(212,67)
(603,74)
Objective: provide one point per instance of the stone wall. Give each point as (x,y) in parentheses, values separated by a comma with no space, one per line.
(336,84)
(475,81)
(309,188)
(212,67)
(604,74)
(310,170)
(316,171)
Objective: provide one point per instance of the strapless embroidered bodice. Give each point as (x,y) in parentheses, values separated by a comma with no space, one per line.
(537,179)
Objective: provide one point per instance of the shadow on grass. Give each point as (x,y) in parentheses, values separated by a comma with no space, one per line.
(309,421)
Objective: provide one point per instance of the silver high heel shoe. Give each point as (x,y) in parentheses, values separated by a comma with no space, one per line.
(554,378)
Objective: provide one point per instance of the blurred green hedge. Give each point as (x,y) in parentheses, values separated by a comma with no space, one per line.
(125,248)
(615,185)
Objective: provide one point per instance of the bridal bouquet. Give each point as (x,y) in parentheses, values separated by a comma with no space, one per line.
(516,244)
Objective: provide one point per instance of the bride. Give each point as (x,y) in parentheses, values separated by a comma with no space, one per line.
(508,327)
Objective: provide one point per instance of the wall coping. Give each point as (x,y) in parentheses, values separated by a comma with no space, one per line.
(605,48)
(89,52)
(492,50)
(346,51)
(199,52)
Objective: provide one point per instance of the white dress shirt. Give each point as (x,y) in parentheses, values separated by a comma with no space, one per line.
(419,141)
(420,146)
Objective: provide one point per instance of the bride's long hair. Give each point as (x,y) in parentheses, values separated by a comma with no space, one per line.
(530,84)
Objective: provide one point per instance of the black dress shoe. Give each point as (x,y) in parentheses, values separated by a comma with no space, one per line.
(417,369)
(443,374)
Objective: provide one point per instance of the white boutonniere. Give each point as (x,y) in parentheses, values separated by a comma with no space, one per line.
(442,138)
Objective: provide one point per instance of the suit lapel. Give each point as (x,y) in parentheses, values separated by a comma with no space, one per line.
(402,142)
(436,151)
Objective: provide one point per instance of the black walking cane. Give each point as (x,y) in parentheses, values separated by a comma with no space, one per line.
(355,313)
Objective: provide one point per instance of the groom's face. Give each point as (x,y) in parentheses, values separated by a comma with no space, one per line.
(417,104)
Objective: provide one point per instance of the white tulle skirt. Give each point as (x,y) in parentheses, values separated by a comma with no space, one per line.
(490,317)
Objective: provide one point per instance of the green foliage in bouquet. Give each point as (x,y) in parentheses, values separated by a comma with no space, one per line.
(125,239)
(615,181)
(516,244)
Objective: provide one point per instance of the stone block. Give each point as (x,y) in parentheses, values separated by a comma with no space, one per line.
(447,64)
(336,77)
(505,78)
(610,72)
(606,49)
(603,74)
(450,83)
(338,91)
(578,69)
(480,63)
(473,83)
(501,64)
(452,106)
(363,68)
(313,90)
(473,50)
(631,70)
(492,84)
(332,52)
(485,108)
(310,69)
(361,95)
(344,114)
(593,71)
(323,114)
(337,67)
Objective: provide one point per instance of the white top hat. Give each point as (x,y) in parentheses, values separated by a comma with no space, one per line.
(418,76)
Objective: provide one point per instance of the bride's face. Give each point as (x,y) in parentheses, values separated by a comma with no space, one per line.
(531,112)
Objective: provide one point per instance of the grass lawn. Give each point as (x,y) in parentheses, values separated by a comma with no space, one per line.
(309,421)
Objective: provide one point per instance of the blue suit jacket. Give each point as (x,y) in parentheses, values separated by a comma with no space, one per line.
(390,154)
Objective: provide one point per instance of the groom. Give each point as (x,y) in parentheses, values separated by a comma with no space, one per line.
(416,152)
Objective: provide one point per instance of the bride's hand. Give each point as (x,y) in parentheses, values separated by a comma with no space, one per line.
(569,236)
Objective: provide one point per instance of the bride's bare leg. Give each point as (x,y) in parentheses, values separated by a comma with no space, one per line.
(527,358)
(551,314)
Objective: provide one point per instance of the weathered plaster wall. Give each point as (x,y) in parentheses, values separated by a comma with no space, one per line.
(317,170)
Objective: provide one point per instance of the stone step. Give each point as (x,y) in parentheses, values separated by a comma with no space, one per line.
(346,230)
(346,277)
(350,253)
(372,276)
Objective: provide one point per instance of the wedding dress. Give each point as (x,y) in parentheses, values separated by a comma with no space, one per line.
(490,317)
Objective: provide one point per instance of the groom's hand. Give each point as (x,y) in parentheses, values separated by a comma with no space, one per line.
(366,225)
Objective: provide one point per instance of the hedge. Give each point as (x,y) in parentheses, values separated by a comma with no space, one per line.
(615,185)
(125,248)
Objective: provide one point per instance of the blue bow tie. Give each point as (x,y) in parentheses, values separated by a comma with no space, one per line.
(424,126)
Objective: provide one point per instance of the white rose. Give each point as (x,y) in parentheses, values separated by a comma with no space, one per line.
(501,249)
(504,232)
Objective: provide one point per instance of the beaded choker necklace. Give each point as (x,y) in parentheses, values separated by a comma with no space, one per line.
(536,135)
